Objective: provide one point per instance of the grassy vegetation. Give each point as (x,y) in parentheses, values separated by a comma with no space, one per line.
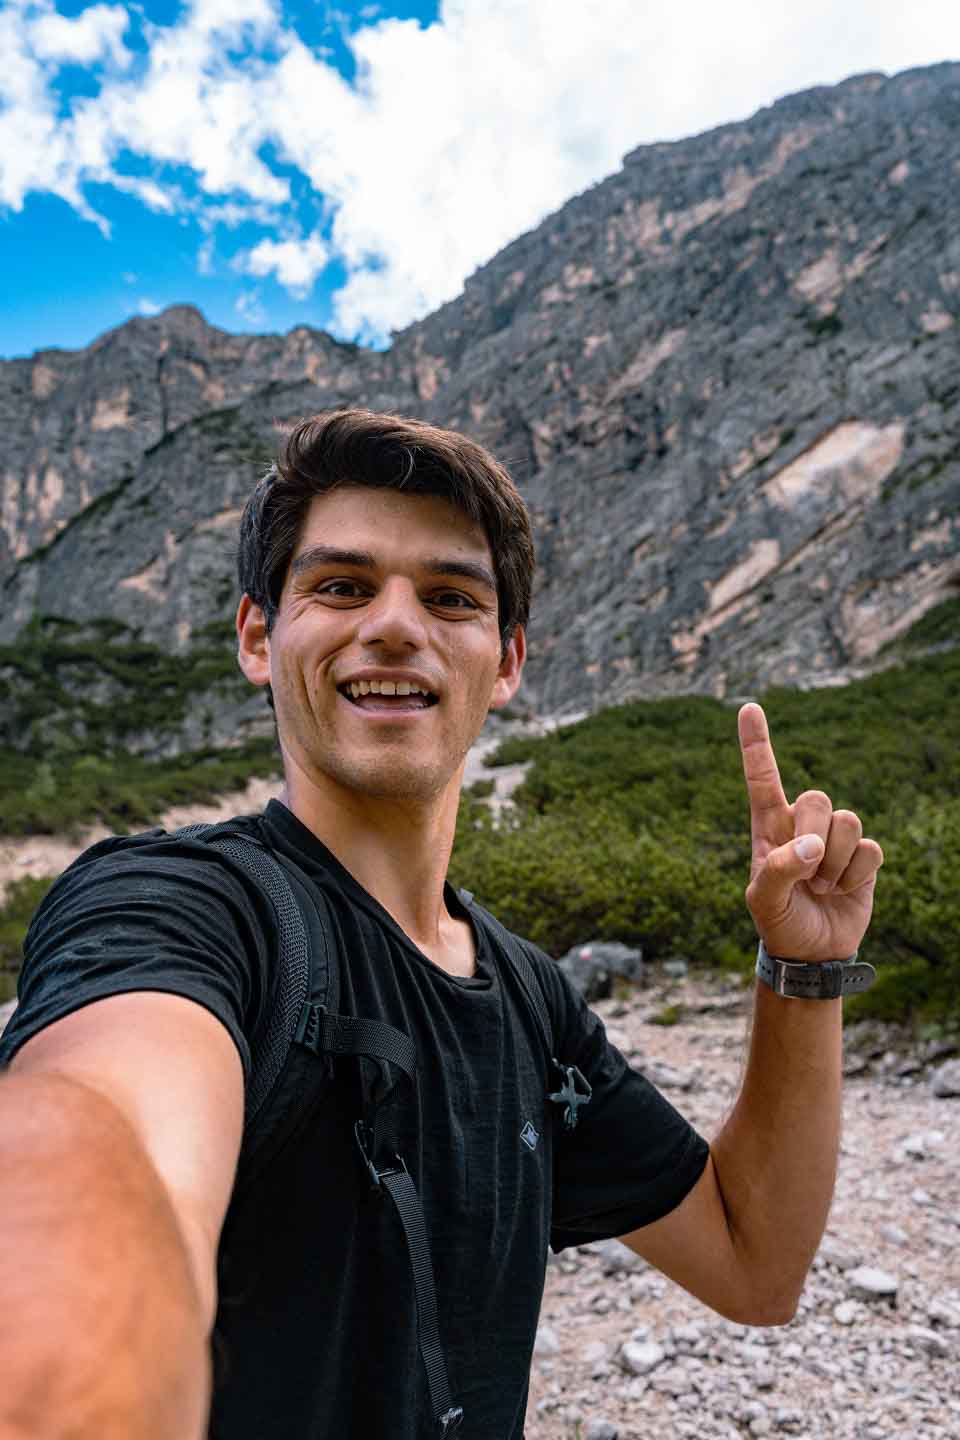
(92,721)
(22,898)
(633,825)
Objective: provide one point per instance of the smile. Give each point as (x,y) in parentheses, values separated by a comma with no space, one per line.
(388,707)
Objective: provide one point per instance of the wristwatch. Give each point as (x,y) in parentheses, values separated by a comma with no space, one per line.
(815,979)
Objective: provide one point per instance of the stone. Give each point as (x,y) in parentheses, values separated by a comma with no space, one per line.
(868,1283)
(930,1342)
(672,1380)
(922,1143)
(600,1430)
(941,1312)
(640,1357)
(945,1082)
(614,1256)
(592,967)
(546,1342)
(835,1253)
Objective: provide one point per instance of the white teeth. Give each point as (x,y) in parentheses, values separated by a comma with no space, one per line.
(384,687)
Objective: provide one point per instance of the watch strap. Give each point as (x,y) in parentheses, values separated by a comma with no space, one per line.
(816,979)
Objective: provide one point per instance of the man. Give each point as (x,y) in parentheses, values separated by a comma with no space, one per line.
(386,569)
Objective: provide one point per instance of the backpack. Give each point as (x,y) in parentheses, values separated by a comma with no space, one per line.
(305,1026)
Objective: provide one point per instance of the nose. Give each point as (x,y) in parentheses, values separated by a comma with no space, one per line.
(394,617)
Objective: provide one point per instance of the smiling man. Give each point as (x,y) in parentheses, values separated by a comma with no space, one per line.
(386,571)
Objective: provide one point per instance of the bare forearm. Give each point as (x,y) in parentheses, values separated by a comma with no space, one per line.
(102,1332)
(776,1156)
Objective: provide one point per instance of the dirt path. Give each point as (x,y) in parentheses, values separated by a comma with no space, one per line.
(39,855)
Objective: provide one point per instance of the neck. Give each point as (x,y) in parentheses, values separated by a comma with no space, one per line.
(399,851)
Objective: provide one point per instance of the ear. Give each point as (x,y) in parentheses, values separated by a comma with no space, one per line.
(511,669)
(253,653)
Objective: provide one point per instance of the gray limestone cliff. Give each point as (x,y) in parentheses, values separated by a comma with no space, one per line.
(726,380)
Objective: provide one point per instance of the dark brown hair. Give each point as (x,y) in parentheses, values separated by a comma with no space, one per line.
(360,447)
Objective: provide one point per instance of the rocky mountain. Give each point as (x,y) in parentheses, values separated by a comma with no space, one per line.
(726,380)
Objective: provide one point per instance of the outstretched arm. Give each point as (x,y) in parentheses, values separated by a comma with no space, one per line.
(743,1239)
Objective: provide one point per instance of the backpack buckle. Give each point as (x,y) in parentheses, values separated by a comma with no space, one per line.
(364,1138)
(451,1420)
(569,1095)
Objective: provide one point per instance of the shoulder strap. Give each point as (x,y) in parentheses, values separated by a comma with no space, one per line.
(293,950)
(525,973)
(574,1089)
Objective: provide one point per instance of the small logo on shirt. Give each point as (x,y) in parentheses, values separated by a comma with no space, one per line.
(529,1136)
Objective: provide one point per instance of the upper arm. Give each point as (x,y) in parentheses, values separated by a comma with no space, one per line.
(693,1246)
(172,1069)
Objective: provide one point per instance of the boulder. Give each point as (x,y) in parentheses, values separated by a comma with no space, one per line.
(592,967)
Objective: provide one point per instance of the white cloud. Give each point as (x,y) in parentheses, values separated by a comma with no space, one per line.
(248,305)
(455,137)
(96,31)
(148,307)
(296,263)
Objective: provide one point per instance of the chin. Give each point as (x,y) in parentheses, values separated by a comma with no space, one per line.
(389,781)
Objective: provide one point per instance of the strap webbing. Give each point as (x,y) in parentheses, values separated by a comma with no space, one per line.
(324,1033)
(403,1193)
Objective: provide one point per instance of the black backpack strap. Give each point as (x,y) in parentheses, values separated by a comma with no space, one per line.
(574,1089)
(293,949)
(327,1034)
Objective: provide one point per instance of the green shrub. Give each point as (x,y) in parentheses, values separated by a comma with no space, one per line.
(68,792)
(21,899)
(633,825)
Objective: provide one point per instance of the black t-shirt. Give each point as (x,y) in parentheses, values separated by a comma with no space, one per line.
(316,1332)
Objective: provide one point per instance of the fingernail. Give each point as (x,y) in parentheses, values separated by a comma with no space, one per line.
(808,847)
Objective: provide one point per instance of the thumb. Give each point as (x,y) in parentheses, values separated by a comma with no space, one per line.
(769,890)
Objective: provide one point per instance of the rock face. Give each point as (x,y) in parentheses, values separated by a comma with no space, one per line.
(725,380)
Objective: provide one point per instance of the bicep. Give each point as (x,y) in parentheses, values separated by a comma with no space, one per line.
(172,1069)
(694,1247)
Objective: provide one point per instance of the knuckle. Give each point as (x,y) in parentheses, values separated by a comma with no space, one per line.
(815,797)
(848,820)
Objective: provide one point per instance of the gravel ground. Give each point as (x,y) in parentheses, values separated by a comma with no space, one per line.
(873,1352)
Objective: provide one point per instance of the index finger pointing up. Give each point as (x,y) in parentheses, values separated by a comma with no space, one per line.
(767,800)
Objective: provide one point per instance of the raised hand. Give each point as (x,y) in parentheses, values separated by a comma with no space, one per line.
(804,908)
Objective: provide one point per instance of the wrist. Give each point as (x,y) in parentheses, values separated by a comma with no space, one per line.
(813,979)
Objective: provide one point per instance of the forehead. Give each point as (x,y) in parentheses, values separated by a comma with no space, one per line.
(390,524)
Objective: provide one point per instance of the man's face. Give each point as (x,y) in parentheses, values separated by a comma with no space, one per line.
(374,593)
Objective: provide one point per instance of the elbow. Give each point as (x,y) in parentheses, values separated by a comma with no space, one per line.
(764,1310)
(772,1316)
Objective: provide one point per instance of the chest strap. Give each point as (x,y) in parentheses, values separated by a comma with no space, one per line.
(327,1035)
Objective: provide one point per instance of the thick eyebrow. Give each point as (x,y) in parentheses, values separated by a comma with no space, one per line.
(363,560)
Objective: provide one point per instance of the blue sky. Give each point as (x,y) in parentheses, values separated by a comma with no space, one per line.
(346,166)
